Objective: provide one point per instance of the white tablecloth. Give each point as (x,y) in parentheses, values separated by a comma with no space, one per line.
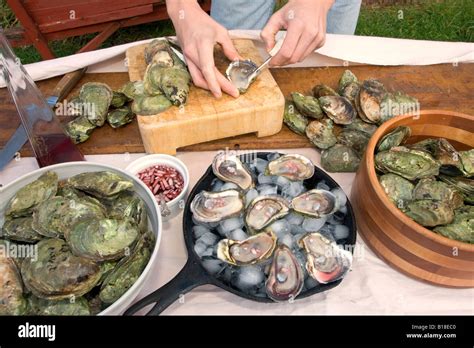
(372,287)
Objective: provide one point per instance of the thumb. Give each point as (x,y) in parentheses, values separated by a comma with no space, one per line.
(271,29)
(229,49)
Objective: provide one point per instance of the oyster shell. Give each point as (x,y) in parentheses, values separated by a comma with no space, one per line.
(30,195)
(462,227)
(326,262)
(120,117)
(409,163)
(293,119)
(398,189)
(40,306)
(467,160)
(292,167)
(147,106)
(340,158)
(321,133)
(97,97)
(430,213)
(323,91)
(263,210)
(229,167)
(398,104)
(100,184)
(285,279)
(307,105)
(129,205)
(430,188)
(394,138)
(79,129)
(118,99)
(354,139)
(56,273)
(370,97)
(132,89)
(464,185)
(315,203)
(11,289)
(102,239)
(338,108)
(20,230)
(216,206)
(361,126)
(347,78)
(252,250)
(351,92)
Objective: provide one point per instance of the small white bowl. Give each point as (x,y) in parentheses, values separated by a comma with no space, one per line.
(177,204)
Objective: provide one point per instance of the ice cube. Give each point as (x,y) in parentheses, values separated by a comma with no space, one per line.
(273,156)
(293,189)
(238,234)
(213,266)
(200,248)
(228,225)
(297,230)
(250,196)
(199,230)
(266,190)
(322,185)
(280,228)
(343,209)
(294,219)
(208,252)
(260,165)
(229,186)
(249,276)
(340,195)
(208,239)
(287,239)
(340,232)
(265,179)
(281,181)
(313,224)
(217,185)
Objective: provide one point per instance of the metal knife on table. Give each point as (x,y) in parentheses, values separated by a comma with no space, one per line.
(49,142)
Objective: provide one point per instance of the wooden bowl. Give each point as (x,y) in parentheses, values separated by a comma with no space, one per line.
(393,236)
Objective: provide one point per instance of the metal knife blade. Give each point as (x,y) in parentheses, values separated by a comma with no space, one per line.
(19,138)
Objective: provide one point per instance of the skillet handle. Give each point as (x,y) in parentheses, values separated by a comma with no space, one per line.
(191,276)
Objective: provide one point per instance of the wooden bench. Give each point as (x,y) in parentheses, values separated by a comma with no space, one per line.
(43,21)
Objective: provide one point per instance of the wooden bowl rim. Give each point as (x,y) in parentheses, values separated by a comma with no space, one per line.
(370,167)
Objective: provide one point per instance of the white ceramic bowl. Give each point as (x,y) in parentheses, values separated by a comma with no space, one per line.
(66,170)
(150,160)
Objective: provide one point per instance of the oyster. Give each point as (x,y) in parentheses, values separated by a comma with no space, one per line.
(361,126)
(100,184)
(147,106)
(79,129)
(293,119)
(315,203)
(339,109)
(120,117)
(430,213)
(409,163)
(252,250)
(326,262)
(467,160)
(292,167)
(12,301)
(307,105)
(30,195)
(229,168)
(20,230)
(286,278)
(430,188)
(126,273)
(323,91)
(56,273)
(355,139)
(464,185)
(216,206)
(347,78)
(394,138)
(159,51)
(340,158)
(321,133)
(462,228)
(118,99)
(398,104)
(58,214)
(75,107)
(398,189)
(40,306)
(132,89)
(370,97)
(263,210)
(351,92)
(102,239)
(97,97)
(129,205)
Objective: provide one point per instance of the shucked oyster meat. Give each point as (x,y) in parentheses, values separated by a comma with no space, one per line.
(216,206)
(292,167)
(316,203)
(263,210)
(229,167)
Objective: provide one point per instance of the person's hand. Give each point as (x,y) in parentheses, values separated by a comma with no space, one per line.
(197,34)
(305,22)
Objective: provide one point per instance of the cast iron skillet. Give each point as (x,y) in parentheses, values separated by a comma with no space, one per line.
(194,274)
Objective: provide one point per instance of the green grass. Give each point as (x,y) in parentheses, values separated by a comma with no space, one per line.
(448,20)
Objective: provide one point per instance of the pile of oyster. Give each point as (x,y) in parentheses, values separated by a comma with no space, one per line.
(166,82)
(260,230)
(89,242)
(429,181)
(341,123)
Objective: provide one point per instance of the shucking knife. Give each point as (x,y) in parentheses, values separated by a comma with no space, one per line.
(39,123)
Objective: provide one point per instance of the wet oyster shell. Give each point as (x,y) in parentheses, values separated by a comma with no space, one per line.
(147,106)
(398,104)
(216,206)
(56,273)
(129,205)
(118,99)
(229,167)
(307,105)
(370,97)
(464,185)
(20,230)
(293,119)
(323,91)
(430,188)
(394,138)
(285,279)
(362,126)
(467,160)
(97,97)
(398,189)
(132,89)
(339,109)
(340,158)
(430,213)
(100,184)
(315,203)
(351,92)
(32,194)
(347,78)
(292,167)
(462,231)
(70,306)
(11,288)
(120,117)
(79,129)
(263,210)
(354,139)
(321,133)
(252,250)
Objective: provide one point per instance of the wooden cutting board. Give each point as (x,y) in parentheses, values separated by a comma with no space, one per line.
(205,118)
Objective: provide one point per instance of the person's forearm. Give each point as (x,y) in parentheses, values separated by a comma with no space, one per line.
(174,7)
